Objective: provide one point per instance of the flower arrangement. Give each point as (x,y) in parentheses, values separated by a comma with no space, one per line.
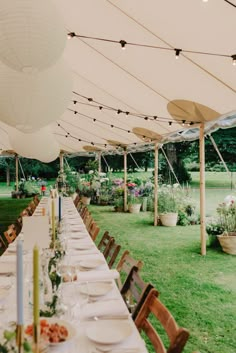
(227,215)
(168,198)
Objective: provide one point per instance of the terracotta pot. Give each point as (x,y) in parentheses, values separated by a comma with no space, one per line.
(169,219)
(85,200)
(134,208)
(228,242)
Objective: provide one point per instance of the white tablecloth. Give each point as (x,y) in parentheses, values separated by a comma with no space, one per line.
(84,312)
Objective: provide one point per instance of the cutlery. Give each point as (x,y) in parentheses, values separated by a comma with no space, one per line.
(108,317)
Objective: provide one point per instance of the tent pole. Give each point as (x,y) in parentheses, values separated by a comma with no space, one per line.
(61,162)
(17,172)
(202,189)
(99,162)
(125,179)
(156,185)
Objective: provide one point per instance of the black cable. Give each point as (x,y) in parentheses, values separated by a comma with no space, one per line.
(230,3)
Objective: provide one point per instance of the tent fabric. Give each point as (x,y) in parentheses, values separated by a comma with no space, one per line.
(143,81)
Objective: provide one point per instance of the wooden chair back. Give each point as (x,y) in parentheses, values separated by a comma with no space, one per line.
(3,244)
(134,291)
(125,265)
(105,243)
(178,336)
(111,253)
(10,234)
(94,230)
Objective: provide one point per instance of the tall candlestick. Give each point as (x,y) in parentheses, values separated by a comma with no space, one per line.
(53,222)
(36,285)
(19,282)
(59,208)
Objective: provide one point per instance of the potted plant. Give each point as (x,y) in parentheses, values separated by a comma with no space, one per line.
(146,190)
(213,228)
(168,204)
(227,218)
(134,203)
(86,192)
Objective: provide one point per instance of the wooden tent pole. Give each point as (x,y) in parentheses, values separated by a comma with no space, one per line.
(17,172)
(61,162)
(125,180)
(156,185)
(99,162)
(202,189)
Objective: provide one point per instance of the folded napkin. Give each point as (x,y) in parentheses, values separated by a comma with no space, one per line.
(7,268)
(105,308)
(77,242)
(96,276)
(78,235)
(81,252)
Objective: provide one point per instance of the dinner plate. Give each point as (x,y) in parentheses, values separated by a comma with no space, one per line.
(95,289)
(3,294)
(92,263)
(108,331)
(7,268)
(83,246)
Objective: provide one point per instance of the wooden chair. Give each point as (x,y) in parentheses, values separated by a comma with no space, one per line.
(10,234)
(134,291)
(105,243)
(125,265)
(111,253)
(3,244)
(94,230)
(178,336)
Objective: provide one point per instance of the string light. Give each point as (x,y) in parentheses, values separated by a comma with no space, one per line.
(204,0)
(100,107)
(71,35)
(97,105)
(170,123)
(183,122)
(234,59)
(123,43)
(177,52)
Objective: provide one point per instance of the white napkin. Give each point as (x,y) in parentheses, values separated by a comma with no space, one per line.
(96,276)
(7,268)
(77,242)
(105,308)
(79,253)
(78,235)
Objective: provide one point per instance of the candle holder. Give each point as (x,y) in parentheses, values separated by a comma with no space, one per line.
(36,333)
(19,338)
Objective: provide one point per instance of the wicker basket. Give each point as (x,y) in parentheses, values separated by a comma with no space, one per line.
(228,242)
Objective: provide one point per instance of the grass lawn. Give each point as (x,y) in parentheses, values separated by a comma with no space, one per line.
(9,210)
(199,291)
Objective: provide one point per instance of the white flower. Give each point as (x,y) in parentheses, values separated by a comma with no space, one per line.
(228,199)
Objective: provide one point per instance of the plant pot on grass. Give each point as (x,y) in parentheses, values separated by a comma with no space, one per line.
(85,200)
(169,219)
(228,242)
(134,208)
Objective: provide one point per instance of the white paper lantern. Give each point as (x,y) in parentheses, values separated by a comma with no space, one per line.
(32,34)
(39,145)
(31,101)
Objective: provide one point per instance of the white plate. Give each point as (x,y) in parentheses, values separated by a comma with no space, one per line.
(71,330)
(108,331)
(92,263)
(7,268)
(83,246)
(3,294)
(96,289)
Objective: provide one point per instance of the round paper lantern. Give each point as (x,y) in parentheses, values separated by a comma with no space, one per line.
(32,34)
(31,101)
(38,145)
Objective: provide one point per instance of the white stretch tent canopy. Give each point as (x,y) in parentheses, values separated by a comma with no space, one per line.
(141,80)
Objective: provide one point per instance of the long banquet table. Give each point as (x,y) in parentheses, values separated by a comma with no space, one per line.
(90,315)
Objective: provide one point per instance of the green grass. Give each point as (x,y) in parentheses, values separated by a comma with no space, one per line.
(10,210)
(199,291)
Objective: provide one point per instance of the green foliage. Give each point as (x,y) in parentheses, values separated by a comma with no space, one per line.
(193,287)
(29,188)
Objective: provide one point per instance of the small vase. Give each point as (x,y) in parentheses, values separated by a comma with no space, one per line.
(169,219)
(134,208)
